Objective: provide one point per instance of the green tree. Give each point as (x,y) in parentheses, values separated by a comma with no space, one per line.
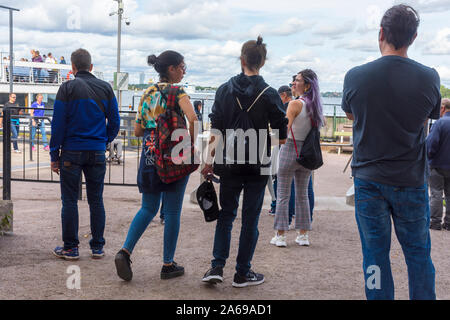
(445,92)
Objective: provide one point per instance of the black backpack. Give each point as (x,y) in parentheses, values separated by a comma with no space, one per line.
(234,159)
(310,156)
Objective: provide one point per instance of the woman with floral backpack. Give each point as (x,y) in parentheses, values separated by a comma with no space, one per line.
(154,103)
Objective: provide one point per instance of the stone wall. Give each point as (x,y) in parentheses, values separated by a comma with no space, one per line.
(6,216)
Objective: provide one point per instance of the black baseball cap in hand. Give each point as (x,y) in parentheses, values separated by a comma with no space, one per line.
(207,200)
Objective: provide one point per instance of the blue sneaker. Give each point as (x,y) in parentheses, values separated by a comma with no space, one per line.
(97,253)
(71,254)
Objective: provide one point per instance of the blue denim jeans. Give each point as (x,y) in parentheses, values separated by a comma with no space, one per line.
(93,165)
(43,133)
(292,199)
(172,203)
(375,205)
(15,127)
(230,190)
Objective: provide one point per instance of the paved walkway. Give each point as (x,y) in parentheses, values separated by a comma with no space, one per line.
(329,269)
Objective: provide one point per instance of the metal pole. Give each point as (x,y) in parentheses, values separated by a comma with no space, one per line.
(119,35)
(11,64)
(334,122)
(7,153)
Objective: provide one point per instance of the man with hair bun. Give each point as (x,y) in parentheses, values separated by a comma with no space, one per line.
(390,101)
(244,97)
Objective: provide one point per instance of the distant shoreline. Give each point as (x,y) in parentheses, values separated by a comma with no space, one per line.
(140,87)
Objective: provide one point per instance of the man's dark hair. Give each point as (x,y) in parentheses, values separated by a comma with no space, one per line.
(446,104)
(254,53)
(400,25)
(286,90)
(81,59)
(197,103)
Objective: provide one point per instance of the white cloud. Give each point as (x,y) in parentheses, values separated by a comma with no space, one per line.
(210,35)
(367,44)
(440,45)
(427,6)
(444,73)
(334,31)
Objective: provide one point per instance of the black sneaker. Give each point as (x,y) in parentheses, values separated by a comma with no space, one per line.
(172,271)
(123,265)
(446,226)
(214,275)
(251,279)
(436,226)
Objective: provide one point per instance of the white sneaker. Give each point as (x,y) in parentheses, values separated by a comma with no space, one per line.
(292,226)
(17,151)
(302,240)
(274,239)
(279,240)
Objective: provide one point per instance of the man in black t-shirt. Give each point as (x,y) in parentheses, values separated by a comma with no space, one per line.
(390,101)
(15,122)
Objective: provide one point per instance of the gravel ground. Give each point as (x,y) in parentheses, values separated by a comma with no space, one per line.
(329,269)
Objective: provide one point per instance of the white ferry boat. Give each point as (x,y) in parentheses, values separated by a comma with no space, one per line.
(31,78)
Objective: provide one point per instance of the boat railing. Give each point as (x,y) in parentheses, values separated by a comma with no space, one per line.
(25,72)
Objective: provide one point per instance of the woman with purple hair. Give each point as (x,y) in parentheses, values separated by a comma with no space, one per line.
(302,114)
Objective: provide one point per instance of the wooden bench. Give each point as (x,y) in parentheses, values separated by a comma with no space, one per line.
(342,135)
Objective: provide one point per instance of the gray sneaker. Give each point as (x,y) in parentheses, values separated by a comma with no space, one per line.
(172,271)
(251,279)
(213,275)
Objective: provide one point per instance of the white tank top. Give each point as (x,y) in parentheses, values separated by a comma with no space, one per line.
(301,124)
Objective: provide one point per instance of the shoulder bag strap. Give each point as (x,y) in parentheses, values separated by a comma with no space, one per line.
(163,95)
(295,143)
(170,98)
(257,98)
(97,100)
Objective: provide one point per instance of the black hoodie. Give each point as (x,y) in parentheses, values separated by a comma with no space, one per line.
(267,110)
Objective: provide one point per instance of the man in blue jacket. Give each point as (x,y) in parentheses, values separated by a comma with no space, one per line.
(85,119)
(438,147)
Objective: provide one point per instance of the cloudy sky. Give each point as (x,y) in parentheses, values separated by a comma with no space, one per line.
(327,36)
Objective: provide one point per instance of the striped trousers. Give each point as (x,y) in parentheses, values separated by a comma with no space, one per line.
(290,169)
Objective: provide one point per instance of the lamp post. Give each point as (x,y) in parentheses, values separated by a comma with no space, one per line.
(6,114)
(11,64)
(119,13)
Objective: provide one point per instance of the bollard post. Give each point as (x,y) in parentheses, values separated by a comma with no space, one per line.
(31,141)
(334,121)
(7,153)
